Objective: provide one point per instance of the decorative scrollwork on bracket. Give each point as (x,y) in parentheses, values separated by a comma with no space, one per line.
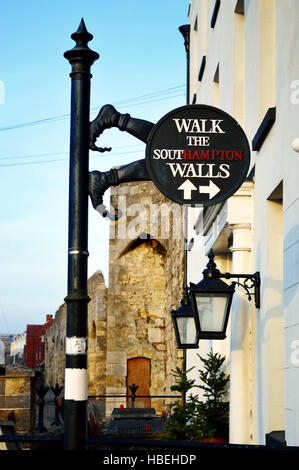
(251,281)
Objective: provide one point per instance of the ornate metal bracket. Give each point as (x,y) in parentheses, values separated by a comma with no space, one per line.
(109,117)
(251,281)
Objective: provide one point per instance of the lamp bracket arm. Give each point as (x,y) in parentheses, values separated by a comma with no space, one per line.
(251,281)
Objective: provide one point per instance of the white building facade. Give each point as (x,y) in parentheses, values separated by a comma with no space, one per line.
(243,60)
(17,348)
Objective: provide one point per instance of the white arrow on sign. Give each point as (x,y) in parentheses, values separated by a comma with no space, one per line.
(211,190)
(187,187)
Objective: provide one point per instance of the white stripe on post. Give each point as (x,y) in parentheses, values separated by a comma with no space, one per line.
(76,384)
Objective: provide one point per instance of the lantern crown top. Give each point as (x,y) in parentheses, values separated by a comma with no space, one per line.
(185,300)
(211,269)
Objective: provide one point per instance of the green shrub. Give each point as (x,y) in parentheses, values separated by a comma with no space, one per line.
(192,419)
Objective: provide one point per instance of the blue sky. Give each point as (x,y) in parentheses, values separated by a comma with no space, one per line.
(141,53)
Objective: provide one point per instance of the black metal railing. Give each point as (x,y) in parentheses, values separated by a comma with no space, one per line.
(47,441)
(134,396)
(42,391)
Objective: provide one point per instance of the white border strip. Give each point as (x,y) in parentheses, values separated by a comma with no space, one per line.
(76,384)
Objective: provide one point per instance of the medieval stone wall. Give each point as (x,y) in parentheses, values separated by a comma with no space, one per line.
(145,283)
(56,334)
(97,334)
(55,349)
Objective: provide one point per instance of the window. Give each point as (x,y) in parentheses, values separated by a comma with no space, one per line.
(215,13)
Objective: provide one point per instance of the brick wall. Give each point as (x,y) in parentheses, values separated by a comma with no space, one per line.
(34,350)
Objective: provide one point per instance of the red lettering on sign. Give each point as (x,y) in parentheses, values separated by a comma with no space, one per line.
(189,153)
(231,155)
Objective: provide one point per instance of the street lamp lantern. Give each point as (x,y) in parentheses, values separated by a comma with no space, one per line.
(211,301)
(185,323)
(205,307)
(213,310)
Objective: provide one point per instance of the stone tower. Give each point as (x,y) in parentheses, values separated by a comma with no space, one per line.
(145,283)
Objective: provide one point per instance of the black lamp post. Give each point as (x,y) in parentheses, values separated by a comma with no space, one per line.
(206,306)
(81,57)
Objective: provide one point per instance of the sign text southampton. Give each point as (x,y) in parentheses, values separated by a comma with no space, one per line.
(197,154)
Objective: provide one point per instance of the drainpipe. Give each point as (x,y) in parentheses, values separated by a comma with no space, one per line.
(185,31)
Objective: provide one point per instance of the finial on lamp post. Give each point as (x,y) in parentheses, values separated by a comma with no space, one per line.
(81,49)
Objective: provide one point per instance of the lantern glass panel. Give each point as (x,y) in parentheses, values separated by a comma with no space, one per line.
(212,310)
(187,330)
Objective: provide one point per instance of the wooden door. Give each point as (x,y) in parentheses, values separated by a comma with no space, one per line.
(139,373)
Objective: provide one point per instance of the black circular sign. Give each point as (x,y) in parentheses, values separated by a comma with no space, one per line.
(197,154)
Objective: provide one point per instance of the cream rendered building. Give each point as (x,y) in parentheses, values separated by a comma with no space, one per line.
(243,59)
(17,347)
